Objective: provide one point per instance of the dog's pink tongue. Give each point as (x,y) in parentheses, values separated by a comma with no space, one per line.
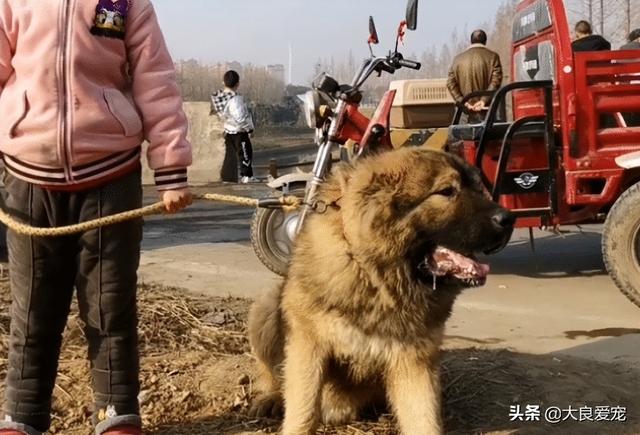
(447,262)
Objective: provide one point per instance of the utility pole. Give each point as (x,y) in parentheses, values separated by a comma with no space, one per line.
(602,17)
(591,11)
(628,17)
(290,63)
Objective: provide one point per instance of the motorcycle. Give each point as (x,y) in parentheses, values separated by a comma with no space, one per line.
(332,110)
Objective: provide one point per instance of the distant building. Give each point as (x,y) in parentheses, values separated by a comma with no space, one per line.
(277,72)
(222,67)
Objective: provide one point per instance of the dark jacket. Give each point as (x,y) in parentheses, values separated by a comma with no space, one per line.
(634,45)
(476,69)
(591,43)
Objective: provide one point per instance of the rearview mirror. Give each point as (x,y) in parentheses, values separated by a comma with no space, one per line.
(373,33)
(412,14)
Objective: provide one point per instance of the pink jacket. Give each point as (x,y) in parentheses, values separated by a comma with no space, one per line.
(82,84)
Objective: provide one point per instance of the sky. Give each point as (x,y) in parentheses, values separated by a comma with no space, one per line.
(260,31)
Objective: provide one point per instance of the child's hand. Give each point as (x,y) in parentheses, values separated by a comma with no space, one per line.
(176,200)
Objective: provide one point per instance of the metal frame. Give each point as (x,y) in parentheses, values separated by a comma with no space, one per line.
(505,151)
(549,140)
(499,100)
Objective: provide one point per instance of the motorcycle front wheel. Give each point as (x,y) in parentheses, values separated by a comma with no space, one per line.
(272,235)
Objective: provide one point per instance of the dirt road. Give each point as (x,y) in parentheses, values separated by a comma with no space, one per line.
(555,310)
(556,299)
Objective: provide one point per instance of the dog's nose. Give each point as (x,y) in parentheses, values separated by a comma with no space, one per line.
(504,218)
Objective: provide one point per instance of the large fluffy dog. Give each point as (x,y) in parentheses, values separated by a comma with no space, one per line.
(360,317)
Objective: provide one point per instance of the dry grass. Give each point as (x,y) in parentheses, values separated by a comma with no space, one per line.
(197,377)
(177,334)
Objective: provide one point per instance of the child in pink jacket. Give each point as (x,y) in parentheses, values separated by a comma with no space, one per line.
(82,84)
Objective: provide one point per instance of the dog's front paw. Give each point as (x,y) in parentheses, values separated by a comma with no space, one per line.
(269,405)
(338,416)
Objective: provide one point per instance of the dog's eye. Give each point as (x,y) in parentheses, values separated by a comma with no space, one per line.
(447,192)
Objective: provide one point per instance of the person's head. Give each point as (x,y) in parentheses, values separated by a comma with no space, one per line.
(231,80)
(634,36)
(583,29)
(479,37)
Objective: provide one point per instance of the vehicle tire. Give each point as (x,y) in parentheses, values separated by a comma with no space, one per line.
(4,253)
(344,154)
(272,233)
(621,243)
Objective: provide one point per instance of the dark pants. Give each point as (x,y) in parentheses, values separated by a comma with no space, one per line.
(472,118)
(102,266)
(238,149)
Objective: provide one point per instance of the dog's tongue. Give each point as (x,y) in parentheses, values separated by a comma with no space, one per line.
(445,262)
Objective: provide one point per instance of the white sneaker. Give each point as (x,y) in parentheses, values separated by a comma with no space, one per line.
(247,180)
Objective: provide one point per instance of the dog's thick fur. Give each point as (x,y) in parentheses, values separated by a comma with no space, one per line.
(357,322)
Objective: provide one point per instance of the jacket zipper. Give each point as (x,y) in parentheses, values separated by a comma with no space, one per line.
(63,83)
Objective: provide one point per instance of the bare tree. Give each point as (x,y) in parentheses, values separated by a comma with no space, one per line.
(631,15)
(197,81)
(612,18)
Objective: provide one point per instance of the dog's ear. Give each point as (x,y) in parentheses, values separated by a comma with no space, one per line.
(388,188)
(470,175)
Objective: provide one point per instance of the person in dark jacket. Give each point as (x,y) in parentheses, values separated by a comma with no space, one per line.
(632,119)
(633,41)
(586,41)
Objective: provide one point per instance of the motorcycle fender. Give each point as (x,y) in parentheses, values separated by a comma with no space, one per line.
(629,161)
(289,179)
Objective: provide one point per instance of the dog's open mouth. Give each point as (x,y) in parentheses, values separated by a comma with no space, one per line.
(444,262)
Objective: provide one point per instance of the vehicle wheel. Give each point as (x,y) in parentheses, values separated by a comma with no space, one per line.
(621,244)
(272,235)
(4,255)
(344,154)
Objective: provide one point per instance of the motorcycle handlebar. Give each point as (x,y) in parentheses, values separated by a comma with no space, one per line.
(384,66)
(389,64)
(409,64)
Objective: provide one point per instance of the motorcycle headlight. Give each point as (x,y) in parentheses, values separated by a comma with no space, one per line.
(311,106)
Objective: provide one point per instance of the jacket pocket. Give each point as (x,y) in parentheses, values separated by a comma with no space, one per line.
(123,111)
(20,114)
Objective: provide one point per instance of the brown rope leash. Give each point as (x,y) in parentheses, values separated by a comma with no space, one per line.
(288,203)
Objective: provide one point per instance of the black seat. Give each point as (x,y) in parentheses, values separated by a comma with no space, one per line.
(473,132)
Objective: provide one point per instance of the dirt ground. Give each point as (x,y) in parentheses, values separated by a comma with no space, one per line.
(278,137)
(197,376)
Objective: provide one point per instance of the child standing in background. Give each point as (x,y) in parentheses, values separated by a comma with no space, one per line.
(238,126)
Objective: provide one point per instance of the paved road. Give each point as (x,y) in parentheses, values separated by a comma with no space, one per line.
(284,156)
(558,299)
(206,248)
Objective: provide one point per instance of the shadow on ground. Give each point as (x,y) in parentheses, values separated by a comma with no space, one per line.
(568,255)
(481,386)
